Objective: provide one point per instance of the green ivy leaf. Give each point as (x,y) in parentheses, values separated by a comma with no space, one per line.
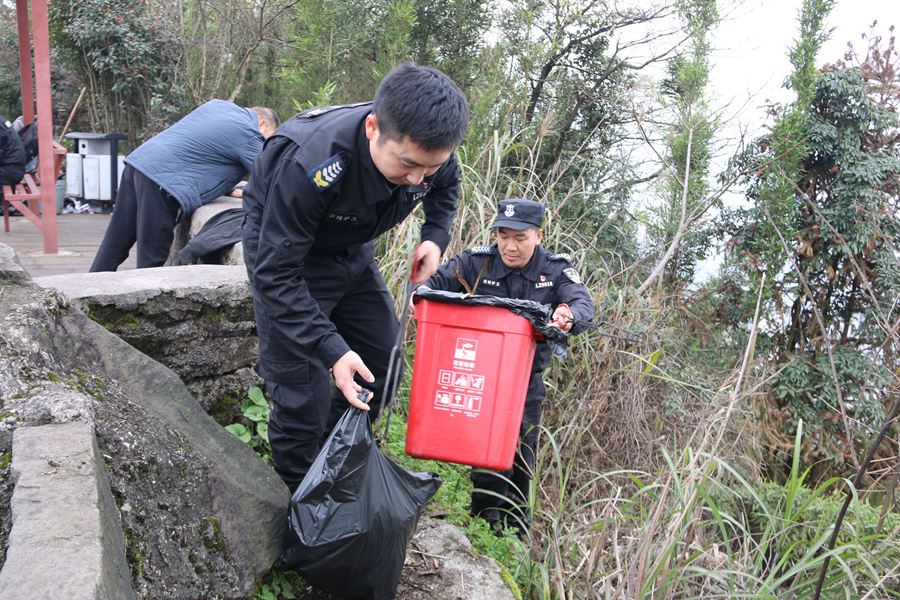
(256,396)
(257,413)
(240,431)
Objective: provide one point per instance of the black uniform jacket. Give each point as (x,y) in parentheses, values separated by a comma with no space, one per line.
(547,278)
(12,154)
(314,192)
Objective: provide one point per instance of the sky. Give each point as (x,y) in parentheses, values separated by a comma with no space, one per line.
(749,64)
(749,58)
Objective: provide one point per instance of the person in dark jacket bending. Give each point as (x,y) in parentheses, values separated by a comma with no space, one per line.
(517,266)
(12,155)
(196,160)
(327,183)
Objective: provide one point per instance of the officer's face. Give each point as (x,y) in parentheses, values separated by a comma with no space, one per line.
(402,162)
(517,247)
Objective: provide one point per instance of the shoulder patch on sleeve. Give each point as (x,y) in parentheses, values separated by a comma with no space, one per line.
(328,173)
(561,256)
(572,274)
(480,249)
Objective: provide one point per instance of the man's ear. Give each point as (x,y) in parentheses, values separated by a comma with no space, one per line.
(371,126)
(540,234)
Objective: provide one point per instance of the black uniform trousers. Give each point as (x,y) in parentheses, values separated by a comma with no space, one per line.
(351,292)
(144,213)
(501,495)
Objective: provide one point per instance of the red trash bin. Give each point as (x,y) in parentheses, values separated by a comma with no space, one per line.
(470,375)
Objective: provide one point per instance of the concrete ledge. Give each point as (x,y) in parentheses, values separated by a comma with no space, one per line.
(66,538)
(134,287)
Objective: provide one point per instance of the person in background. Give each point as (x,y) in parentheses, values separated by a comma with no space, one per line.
(517,266)
(12,155)
(328,183)
(196,160)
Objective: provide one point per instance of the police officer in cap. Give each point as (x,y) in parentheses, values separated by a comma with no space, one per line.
(517,266)
(326,184)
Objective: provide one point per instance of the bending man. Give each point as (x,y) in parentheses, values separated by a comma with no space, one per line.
(328,183)
(196,160)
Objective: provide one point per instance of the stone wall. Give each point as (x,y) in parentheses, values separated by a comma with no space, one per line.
(195,319)
(201,514)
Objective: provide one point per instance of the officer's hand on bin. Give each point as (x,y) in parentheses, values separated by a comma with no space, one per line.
(343,371)
(562,318)
(425,261)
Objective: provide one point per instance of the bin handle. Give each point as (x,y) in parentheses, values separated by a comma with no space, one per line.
(392,379)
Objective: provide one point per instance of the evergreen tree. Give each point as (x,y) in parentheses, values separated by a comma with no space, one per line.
(823,225)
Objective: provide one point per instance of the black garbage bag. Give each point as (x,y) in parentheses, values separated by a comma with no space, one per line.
(28,134)
(221,231)
(351,518)
(538,314)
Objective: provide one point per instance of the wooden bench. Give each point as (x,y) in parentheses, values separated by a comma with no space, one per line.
(21,194)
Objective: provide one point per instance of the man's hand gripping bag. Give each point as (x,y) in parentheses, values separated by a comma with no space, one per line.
(351,518)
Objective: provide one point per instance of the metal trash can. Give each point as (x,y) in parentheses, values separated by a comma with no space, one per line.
(93,171)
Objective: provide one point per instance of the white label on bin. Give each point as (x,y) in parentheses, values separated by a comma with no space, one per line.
(457,402)
(468,381)
(465,349)
(442,399)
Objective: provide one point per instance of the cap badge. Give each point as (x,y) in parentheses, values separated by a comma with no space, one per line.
(510,210)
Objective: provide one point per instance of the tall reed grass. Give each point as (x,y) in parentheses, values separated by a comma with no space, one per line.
(647,483)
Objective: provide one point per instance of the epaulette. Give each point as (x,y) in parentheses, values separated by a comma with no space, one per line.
(561,256)
(328,173)
(312,113)
(480,250)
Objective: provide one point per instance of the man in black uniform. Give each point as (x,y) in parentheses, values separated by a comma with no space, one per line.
(519,267)
(326,184)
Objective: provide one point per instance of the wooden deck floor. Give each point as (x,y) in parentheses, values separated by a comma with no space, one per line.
(79,237)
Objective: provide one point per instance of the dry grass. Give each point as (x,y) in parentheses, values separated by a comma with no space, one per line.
(647,481)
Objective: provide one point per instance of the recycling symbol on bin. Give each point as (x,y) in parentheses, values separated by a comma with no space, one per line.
(465,349)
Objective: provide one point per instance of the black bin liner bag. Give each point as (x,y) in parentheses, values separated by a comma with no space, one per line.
(537,314)
(351,518)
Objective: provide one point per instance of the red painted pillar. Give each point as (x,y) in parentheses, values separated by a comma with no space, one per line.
(41,33)
(25,61)
(38,89)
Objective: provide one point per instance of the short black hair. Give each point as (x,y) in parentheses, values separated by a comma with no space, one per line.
(264,113)
(422,103)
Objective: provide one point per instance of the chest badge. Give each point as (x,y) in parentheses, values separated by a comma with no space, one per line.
(417,192)
(543,283)
(328,173)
